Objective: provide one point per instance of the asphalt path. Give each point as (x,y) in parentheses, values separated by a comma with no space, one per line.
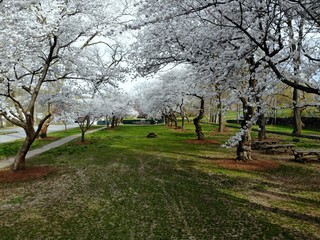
(15,133)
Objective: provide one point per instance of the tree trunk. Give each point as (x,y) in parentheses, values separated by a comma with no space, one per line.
(182,115)
(20,159)
(82,135)
(196,121)
(297,122)
(296,50)
(1,122)
(175,122)
(44,129)
(173,119)
(167,120)
(212,116)
(107,121)
(220,116)
(262,127)
(211,111)
(113,122)
(262,122)
(244,147)
(238,113)
(186,116)
(221,122)
(84,124)
(182,121)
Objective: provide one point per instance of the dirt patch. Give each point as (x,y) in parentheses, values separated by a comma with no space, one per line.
(173,128)
(255,165)
(30,173)
(206,141)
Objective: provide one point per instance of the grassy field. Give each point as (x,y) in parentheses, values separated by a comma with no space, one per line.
(10,149)
(280,128)
(304,143)
(122,185)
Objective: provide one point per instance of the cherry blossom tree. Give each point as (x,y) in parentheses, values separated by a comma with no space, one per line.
(216,38)
(86,112)
(163,98)
(40,43)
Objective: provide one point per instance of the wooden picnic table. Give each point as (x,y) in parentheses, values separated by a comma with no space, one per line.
(258,144)
(305,154)
(271,148)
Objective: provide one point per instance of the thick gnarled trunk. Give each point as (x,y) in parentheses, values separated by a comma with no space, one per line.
(20,159)
(244,147)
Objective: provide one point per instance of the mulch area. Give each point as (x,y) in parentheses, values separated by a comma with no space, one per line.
(30,173)
(254,165)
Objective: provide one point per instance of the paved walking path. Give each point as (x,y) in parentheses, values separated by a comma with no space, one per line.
(8,162)
(15,133)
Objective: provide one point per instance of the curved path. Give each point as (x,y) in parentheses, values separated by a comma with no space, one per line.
(15,133)
(9,161)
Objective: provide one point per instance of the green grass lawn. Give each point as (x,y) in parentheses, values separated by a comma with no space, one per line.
(288,129)
(10,149)
(280,128)
(122,185)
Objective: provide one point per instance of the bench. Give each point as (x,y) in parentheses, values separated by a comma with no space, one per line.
(304,154)
(261,143)
(271,148)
